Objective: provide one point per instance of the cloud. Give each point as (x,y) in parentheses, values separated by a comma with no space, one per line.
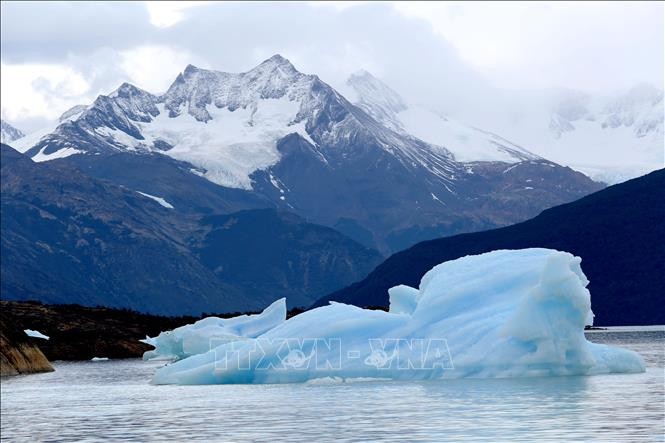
(139,66)
(452,56)
(167,13)
(48,32)
(38,91)
(587,45)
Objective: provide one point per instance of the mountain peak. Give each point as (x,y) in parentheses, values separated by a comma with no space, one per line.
(8,133)
(368,86)
(127,89)
(190,69)
(377,98)
(362,74)
(276,61)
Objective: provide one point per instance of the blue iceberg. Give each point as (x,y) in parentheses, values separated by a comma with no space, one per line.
(506,313)
(198,337)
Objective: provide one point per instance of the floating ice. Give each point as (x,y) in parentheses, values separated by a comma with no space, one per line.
(197,338)
(36,334)
(501,314)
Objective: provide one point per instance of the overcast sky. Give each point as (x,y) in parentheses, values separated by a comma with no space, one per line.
(56,55)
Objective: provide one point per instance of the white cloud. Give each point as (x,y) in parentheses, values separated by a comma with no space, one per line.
(39,90)
(154,67)
(164,14)
(586,45)
(452,55)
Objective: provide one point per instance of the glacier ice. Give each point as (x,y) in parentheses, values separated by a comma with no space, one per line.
(505,313)
(197,338)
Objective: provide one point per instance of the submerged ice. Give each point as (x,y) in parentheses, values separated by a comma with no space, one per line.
(198,337)
(502,314)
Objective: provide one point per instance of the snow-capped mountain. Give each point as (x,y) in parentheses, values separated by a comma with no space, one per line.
(8,133)
(227,124)
(611,138)
(466,143)
(275,136)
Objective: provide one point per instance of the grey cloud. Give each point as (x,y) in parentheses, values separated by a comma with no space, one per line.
(235,36)
(403,51)
(47,32)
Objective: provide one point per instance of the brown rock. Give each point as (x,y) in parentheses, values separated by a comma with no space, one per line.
(18,354)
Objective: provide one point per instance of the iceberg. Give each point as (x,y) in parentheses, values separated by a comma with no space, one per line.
(507,313)
(198,337)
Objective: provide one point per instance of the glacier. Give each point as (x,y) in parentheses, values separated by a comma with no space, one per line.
(197,338)
(507,313)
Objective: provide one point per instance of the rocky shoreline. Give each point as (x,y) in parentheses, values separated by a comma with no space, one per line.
(19,353)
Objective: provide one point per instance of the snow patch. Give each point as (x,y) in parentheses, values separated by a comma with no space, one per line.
(60,153)
(35,334)
(159,200)
(230,146)
(465,142)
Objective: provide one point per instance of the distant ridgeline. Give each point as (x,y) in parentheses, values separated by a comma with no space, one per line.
(618,232)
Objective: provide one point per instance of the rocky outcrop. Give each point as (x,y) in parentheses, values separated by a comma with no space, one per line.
(18,353)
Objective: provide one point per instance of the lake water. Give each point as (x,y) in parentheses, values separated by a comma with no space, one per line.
(113,400)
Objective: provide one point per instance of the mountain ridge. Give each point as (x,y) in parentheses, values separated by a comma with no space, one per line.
(617,232)
(276,135)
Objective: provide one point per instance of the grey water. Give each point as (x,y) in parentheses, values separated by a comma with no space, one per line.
(113,400)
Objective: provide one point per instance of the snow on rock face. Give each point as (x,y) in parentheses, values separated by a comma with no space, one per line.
(225,124)
(72,113)
(610,138)
(159,200)
(466,143)
(197,88)
(199,337)
(8,133)
(228,125)
(60,153)
(377,99)
(502,314)
(29,140)
(232,144)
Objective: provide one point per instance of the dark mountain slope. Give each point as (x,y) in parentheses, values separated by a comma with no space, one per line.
(619,232)
(173,180)
(312,259)
(67,237)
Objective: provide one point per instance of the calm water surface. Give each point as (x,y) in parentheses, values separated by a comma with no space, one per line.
(113,401)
